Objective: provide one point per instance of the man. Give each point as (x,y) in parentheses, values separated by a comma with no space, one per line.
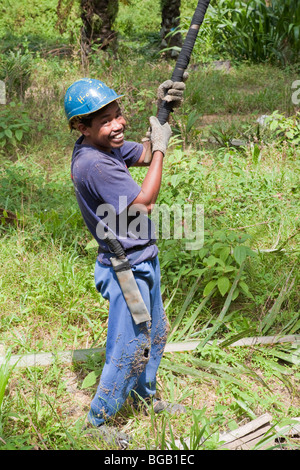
(112,202)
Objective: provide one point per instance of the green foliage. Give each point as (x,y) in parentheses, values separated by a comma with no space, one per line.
(16,127)
(5,373)
(216,263)
(37,21)
(285,128)
(15,70)
(256,30)
(203,434)
(138,18)
(237,285)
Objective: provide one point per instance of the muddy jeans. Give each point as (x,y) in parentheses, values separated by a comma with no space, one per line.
(133,352)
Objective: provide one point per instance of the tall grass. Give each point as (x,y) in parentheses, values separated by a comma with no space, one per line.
(48,301)
(5,373)
(258,30)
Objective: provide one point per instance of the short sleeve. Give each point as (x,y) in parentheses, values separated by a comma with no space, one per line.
(112,183)
(131,152)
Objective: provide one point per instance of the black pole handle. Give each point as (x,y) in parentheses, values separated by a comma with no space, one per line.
(114,245)
(184,55)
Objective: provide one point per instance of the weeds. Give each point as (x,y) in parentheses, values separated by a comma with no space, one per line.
(242,282)
(15,128)
(255,30)
(15,70)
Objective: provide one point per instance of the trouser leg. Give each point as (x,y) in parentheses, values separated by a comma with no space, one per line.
(133,352)
(146,384)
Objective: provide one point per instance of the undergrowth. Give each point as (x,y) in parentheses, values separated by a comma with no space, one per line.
(242,282)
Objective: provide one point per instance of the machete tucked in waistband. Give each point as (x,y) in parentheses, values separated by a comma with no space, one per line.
(127,281)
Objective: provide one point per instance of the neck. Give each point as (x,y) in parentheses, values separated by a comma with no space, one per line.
(86,141)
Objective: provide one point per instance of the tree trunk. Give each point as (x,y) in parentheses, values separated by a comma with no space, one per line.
(98,17)
(170,12)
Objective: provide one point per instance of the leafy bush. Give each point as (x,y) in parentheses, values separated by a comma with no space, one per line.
(217,263)
(15,126)
(40,21)
(255,30)
(15,70)
(285,128)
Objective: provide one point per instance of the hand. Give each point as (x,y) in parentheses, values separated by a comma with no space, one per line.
(160,135)
(171,92)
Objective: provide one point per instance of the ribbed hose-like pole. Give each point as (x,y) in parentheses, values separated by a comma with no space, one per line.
(184,55)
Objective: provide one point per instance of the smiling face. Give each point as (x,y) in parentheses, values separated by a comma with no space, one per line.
(106,131)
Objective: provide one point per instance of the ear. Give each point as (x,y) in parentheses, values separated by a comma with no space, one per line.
(83,129)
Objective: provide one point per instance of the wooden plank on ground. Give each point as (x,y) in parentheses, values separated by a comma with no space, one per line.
(247,436)
(290,430)
(243,438)
(258,431)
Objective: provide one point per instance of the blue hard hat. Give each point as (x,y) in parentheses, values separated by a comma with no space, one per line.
(87,95)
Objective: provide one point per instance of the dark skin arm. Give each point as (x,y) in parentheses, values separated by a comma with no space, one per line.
(146,150)
(151,184)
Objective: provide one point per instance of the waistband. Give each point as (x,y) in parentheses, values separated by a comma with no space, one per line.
(131,250)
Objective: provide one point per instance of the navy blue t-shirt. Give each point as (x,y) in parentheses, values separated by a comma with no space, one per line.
(104,189)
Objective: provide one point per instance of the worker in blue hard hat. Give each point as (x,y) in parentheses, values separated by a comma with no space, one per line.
(86,96)
(111,201)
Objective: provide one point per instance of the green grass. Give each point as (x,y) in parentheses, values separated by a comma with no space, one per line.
(48,301)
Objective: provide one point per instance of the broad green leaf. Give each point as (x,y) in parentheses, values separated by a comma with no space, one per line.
(211,260)
(8,133)
(19,134)
(202,252)
(175,180)
(240,253)
(273,125)
(223,285)
(90,379)
(224,253)
(229,269)
(235,294)
(245,289)
(209,287)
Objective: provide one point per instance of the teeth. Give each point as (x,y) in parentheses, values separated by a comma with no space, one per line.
(118,136)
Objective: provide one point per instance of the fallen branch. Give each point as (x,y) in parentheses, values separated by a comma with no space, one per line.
(81,355)
(274,249)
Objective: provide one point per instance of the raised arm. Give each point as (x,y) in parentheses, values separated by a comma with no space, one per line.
(159,138)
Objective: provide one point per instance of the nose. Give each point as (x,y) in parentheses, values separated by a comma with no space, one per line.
(118,123)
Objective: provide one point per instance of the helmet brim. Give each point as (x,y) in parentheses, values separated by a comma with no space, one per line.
(78,116)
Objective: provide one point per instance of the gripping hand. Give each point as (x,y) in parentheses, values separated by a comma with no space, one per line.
(171,92)
(160,135)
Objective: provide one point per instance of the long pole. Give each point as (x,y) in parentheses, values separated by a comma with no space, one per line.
(184,55)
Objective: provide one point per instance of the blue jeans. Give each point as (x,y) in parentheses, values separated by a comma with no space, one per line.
(133,352)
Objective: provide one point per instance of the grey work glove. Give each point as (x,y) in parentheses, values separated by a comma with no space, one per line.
(160,135)
(171,92)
